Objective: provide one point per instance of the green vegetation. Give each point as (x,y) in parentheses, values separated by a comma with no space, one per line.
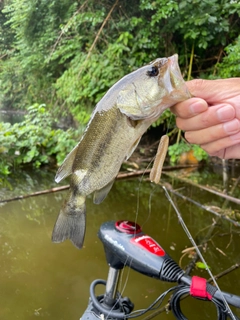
(176,150)
(33,141)
(230,66)
(67,53)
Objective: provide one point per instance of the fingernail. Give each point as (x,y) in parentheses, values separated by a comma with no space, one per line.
(226,113)
(198,107)
(231,127)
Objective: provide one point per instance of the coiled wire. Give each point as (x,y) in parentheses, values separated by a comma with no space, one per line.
(179,292)
(222,312)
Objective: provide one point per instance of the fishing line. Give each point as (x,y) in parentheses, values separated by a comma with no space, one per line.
(149,206)
(127,277)
(121,290)
(160,159)
(198,251)
(156,170)
(121,284)
(136,218)
(138,193)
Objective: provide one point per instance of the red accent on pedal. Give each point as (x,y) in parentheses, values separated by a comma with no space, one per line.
(128,227)
(147,243)
(198,288)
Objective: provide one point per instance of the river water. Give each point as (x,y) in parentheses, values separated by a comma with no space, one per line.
(40,279)
(11,117)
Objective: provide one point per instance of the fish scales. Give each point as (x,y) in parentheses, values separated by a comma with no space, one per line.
(113,132)
(114,138)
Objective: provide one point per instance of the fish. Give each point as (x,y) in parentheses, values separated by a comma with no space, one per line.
(113,132)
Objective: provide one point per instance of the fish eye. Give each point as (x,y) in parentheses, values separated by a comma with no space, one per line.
(153,72)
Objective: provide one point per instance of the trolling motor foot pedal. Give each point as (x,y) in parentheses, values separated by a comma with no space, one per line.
(125,244)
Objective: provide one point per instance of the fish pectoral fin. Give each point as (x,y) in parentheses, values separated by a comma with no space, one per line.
(71,223)
(101,194)
(133,123)
(66,168)
(133,147)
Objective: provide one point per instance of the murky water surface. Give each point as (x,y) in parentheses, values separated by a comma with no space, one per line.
(11,117)
(39,279)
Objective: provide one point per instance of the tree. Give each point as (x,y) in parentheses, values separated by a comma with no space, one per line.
(67,53)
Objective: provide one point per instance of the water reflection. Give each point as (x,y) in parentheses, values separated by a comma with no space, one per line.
(11,116)
(51,281)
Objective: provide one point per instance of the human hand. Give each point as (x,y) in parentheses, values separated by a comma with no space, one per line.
(212,118)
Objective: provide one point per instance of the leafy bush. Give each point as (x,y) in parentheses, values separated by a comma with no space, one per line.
(230,66)
(68,53)
(34,141)
(72,51)
(178,149)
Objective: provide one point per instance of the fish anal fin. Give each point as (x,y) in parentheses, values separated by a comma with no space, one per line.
(66,168)
(101,194)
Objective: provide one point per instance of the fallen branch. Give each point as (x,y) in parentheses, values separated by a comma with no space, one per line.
(207,237)
(217,193)
(34,194)
(121,175)
(223,216)
(227,271)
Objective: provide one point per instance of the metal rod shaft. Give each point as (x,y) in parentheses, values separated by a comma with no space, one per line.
(111,286)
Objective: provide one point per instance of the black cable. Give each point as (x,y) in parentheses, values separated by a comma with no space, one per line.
(98,305)
(179,292)
(159,300)
(222,313)
(118,314)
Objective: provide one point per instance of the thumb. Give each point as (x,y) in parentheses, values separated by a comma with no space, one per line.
(212,91)
(201,88)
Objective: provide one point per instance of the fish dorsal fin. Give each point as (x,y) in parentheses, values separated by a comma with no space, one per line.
(133,147)
(101,194)
(66,168)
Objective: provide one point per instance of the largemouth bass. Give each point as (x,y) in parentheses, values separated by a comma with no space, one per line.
(115,128)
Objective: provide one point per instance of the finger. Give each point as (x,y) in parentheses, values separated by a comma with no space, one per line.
(214,90)
(230,153)
(211,117)
(226,148)
(213,133)
(189,108)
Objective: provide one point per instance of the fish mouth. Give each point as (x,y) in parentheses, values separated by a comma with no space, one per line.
(173,67)
(173,60)
(175,79)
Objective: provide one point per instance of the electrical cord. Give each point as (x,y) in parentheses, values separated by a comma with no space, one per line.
(178,293)
(182,290)
(153,306)
(110,313)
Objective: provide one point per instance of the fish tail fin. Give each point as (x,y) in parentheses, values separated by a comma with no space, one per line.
(71,223)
